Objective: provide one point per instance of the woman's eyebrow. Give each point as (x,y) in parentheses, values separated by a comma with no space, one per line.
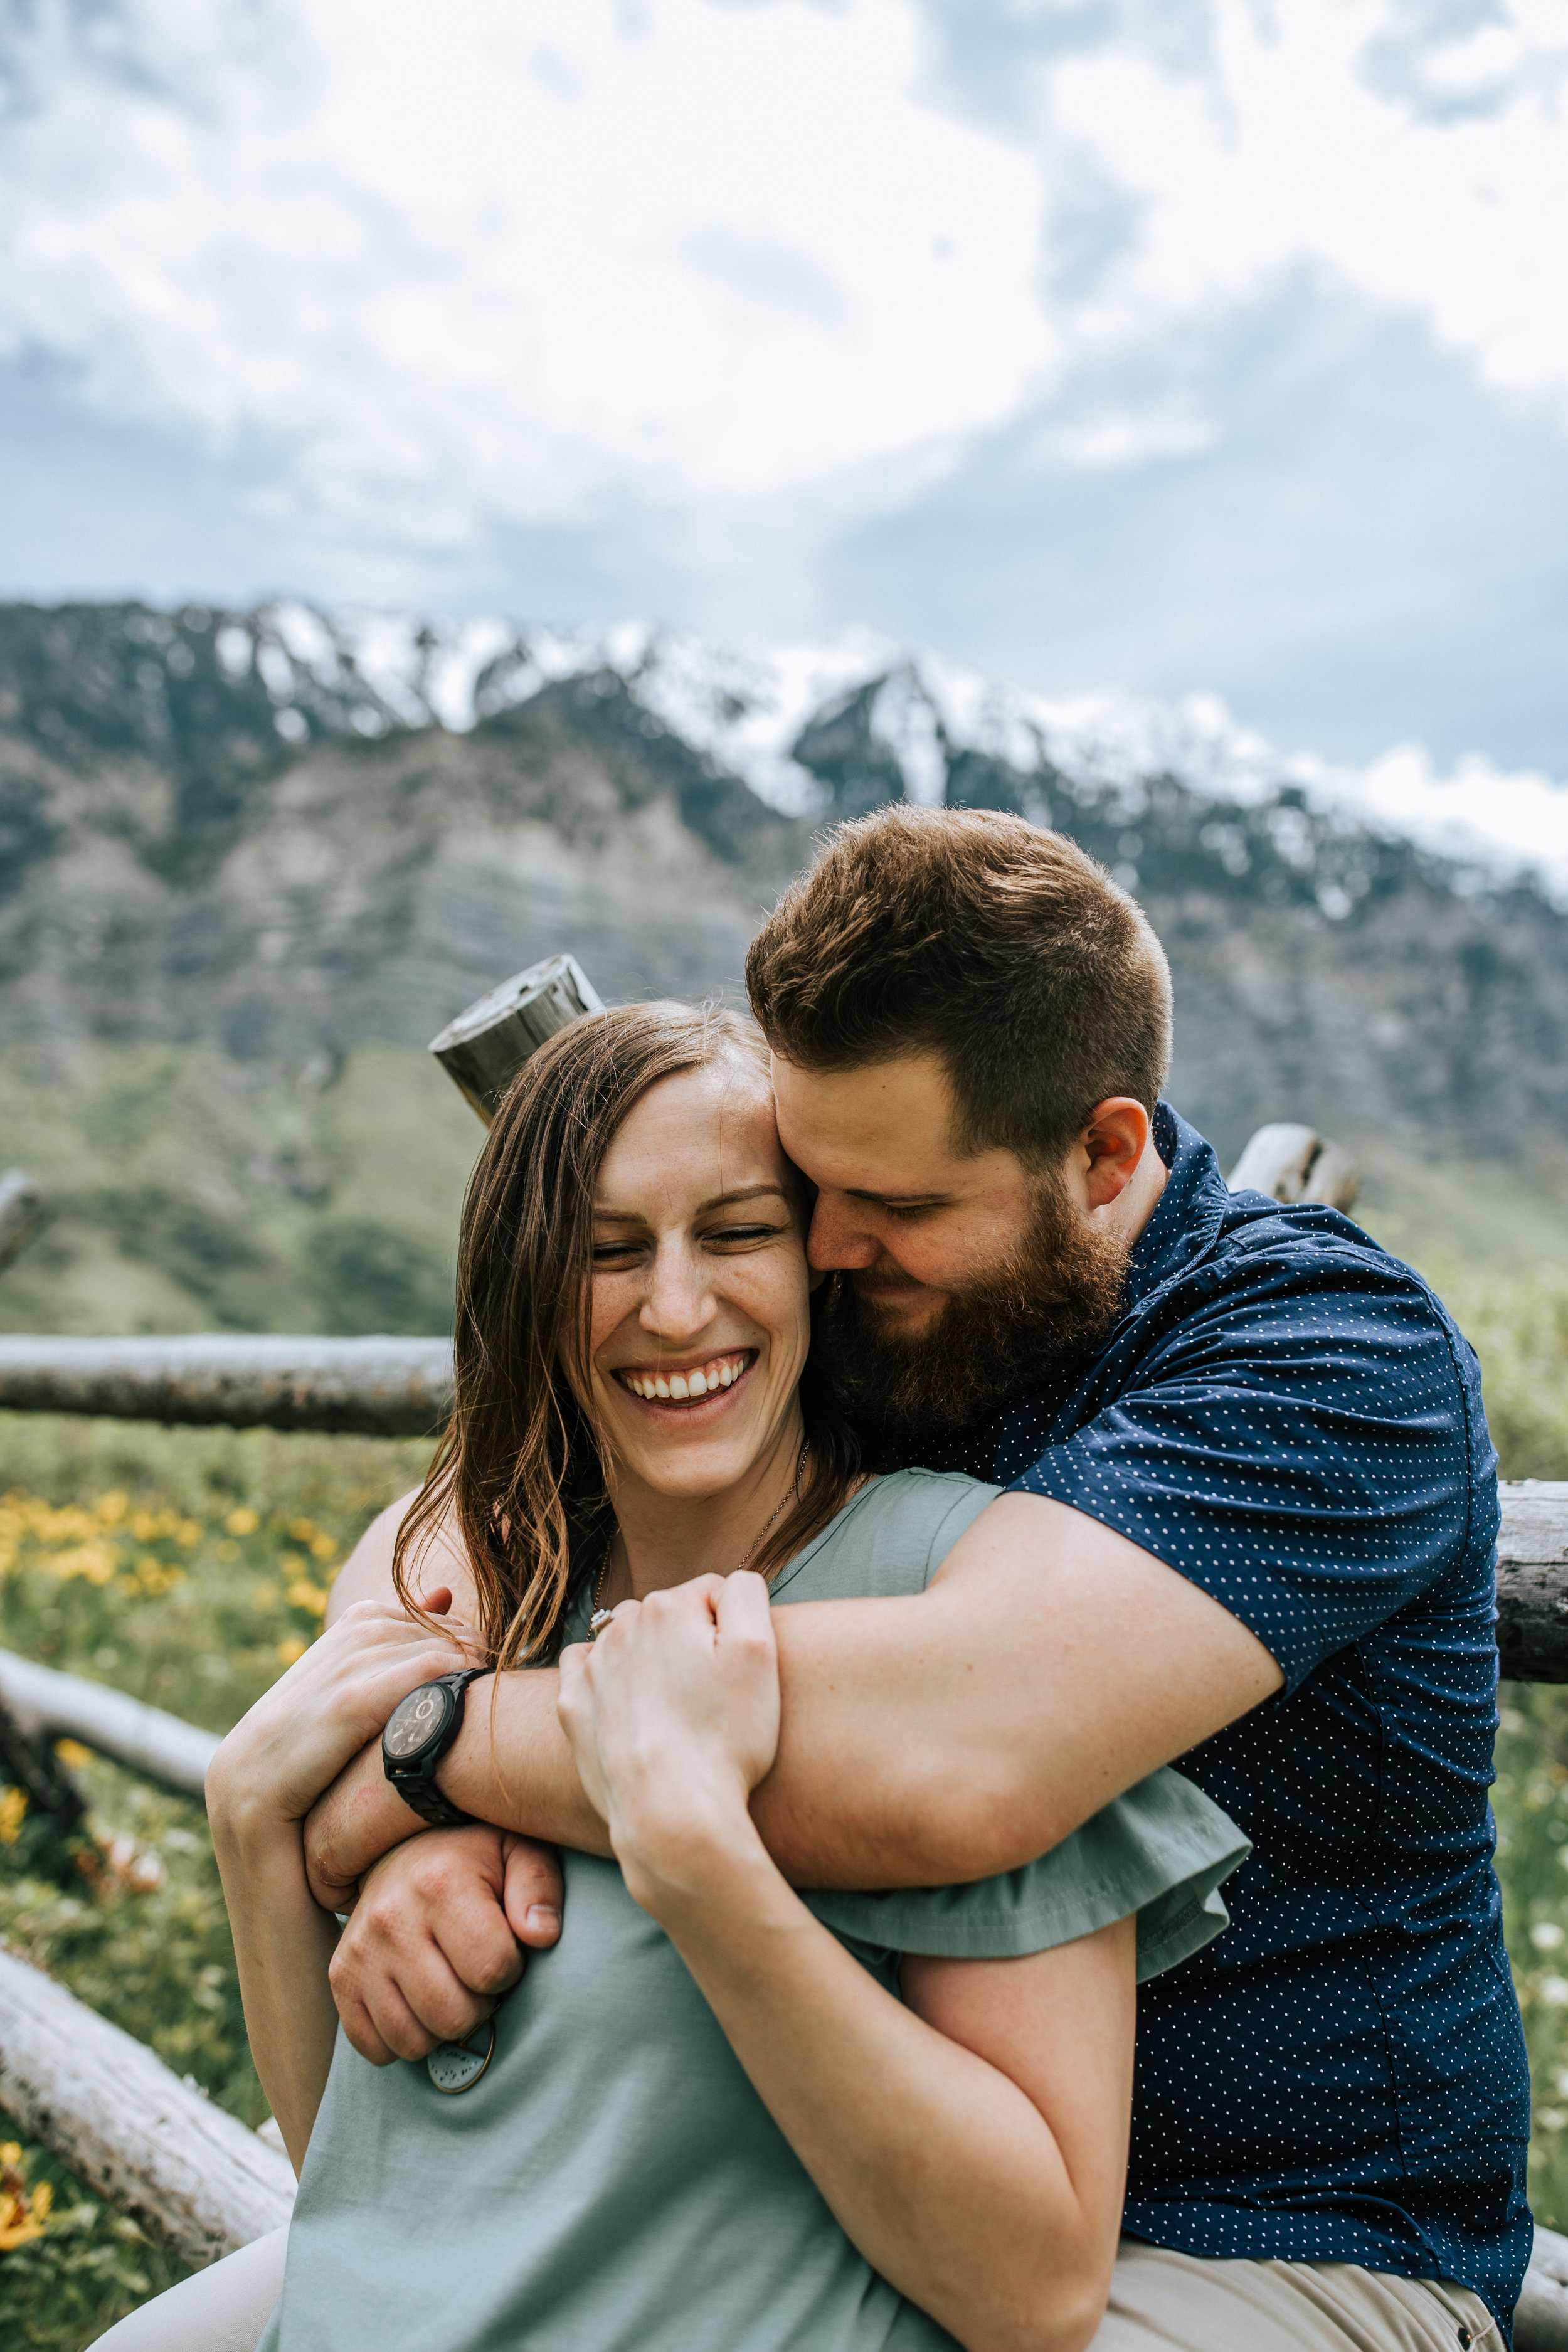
(743,1192)
(719,1201)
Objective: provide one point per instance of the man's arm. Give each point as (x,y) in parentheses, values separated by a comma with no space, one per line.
(964,1731)
(1050,1664)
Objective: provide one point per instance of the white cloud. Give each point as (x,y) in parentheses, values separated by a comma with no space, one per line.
(512,261)
(745,270)
(1292,150)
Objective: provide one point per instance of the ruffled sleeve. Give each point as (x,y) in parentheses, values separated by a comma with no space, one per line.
(1163,1851)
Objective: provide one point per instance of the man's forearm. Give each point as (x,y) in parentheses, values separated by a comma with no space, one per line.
(935,1739)
(960,1731)
(1049,1666)
(510,1764)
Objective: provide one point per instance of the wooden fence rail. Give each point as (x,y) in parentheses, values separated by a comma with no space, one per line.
(157,1746)
(375,1387)
(192,2175)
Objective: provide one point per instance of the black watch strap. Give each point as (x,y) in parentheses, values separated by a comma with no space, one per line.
(415,1781)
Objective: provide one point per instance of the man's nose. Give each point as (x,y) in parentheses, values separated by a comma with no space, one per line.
(838,1239)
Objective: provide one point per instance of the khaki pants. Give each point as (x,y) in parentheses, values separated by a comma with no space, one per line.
(1162,2302)
(1159,2302)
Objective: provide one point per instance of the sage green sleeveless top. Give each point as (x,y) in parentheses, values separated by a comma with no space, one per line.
(613,2183)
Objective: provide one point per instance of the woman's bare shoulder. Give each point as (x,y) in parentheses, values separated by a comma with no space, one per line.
(366,1574)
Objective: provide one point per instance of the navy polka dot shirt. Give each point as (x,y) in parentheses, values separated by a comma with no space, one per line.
(1286,1414)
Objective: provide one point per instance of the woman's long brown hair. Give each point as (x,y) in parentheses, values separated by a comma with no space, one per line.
(519,1469)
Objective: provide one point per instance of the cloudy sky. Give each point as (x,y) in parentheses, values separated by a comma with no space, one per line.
(1164,344)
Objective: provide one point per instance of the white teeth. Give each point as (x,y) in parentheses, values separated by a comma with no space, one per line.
(722,1373)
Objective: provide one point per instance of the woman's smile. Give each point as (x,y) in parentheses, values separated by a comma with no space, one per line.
(682,1387)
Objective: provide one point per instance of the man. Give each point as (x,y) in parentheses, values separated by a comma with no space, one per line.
(1249,1527)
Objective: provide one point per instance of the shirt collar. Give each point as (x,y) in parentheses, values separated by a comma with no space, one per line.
(1188,1213)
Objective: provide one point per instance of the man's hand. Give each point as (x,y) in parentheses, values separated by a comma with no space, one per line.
(440,1935)
(360,1818)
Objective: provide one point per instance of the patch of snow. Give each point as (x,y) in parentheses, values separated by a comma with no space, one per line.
(1505,821)
(277,670)
(384,652)
(453,665)
(234,648)
(307,635)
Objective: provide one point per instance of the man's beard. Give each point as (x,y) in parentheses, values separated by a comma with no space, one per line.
(999,1337)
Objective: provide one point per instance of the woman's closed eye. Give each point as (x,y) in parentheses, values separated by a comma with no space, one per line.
(617,1252)
(630,1248)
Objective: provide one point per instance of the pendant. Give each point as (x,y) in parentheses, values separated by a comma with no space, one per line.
(455,2066)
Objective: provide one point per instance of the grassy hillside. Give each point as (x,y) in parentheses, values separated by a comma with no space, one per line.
(191,1191)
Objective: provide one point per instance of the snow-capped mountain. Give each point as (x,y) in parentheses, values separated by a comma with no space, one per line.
(287,830)
(748,713)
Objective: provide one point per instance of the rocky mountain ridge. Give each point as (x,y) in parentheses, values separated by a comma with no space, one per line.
(288,832)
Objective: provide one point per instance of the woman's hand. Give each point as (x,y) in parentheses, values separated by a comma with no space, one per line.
(673,1717)
(317,1718)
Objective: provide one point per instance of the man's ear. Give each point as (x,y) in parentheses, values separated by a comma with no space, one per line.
(1112,1140)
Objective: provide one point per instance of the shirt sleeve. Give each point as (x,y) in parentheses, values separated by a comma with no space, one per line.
(1306,1443)
(1163,1851)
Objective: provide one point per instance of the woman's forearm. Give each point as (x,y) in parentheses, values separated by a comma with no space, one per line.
(283,1945)
(514,1770)
(939,2169)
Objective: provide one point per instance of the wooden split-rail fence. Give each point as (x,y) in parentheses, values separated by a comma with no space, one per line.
(153,2146)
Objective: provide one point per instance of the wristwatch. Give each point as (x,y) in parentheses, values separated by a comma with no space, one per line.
(419,1731)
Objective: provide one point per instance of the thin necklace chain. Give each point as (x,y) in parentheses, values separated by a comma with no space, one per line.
(751,1551)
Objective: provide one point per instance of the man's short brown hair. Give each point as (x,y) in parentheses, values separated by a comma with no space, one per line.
(978,937)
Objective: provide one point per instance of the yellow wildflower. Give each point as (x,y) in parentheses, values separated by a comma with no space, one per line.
(189,1533)
(13,1811)
(292,1649)
(154,1577)
(112,1507)
(95,1560)
(67,1525)
(73,1756)
(323,1547)
(243,1522)
(303,1594)
(41,2199)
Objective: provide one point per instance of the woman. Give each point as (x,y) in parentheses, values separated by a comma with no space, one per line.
(717,2115)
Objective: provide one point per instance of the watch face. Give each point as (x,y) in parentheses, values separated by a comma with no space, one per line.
(416,1721)
(456,2066)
